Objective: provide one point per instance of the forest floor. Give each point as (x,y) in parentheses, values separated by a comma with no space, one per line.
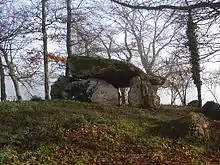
(70,132)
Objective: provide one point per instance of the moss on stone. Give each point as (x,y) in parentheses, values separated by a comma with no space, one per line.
(115,72)
(79,92)
(193,126)
(63,88)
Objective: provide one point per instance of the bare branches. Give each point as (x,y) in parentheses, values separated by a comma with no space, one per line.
(214,5)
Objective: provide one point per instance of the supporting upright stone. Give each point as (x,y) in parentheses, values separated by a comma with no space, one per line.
(90,90)
(143,94)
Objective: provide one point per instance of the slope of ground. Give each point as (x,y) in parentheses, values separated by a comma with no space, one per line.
(69,132)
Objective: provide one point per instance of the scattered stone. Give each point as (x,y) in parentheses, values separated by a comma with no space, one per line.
(193,103)
(194,126)
(211,110)
(198,125)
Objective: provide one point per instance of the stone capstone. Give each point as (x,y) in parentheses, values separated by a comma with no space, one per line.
(115,72)
(90,90)
(143,94)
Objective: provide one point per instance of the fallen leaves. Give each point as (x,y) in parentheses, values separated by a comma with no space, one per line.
(119,141)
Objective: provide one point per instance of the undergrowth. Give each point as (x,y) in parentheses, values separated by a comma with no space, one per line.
(70,132)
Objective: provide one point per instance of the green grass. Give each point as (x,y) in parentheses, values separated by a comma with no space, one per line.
(69,132)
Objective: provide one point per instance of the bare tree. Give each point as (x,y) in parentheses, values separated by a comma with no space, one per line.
(194,58)
(149,33)
(211,80)
(44,32)
(2,73)
(14,24)
(211,11)
(69,32)
(179,82)
(2,77)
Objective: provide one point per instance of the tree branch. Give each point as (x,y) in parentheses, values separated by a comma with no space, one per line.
(171,7)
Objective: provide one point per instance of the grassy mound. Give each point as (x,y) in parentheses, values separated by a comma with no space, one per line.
(68,132)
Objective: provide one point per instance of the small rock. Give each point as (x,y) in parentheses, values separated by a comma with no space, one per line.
(193,126)
(193,103)
(211,110)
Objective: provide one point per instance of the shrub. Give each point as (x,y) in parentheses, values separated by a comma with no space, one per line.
(36,98)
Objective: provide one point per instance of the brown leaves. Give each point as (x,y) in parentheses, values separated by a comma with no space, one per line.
(95,145)
(56,58)
(123,139)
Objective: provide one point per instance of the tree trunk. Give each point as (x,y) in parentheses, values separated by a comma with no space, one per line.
(194,55)
(69,33)
(15,82)
(44,32)
(11,68)
(2,77)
